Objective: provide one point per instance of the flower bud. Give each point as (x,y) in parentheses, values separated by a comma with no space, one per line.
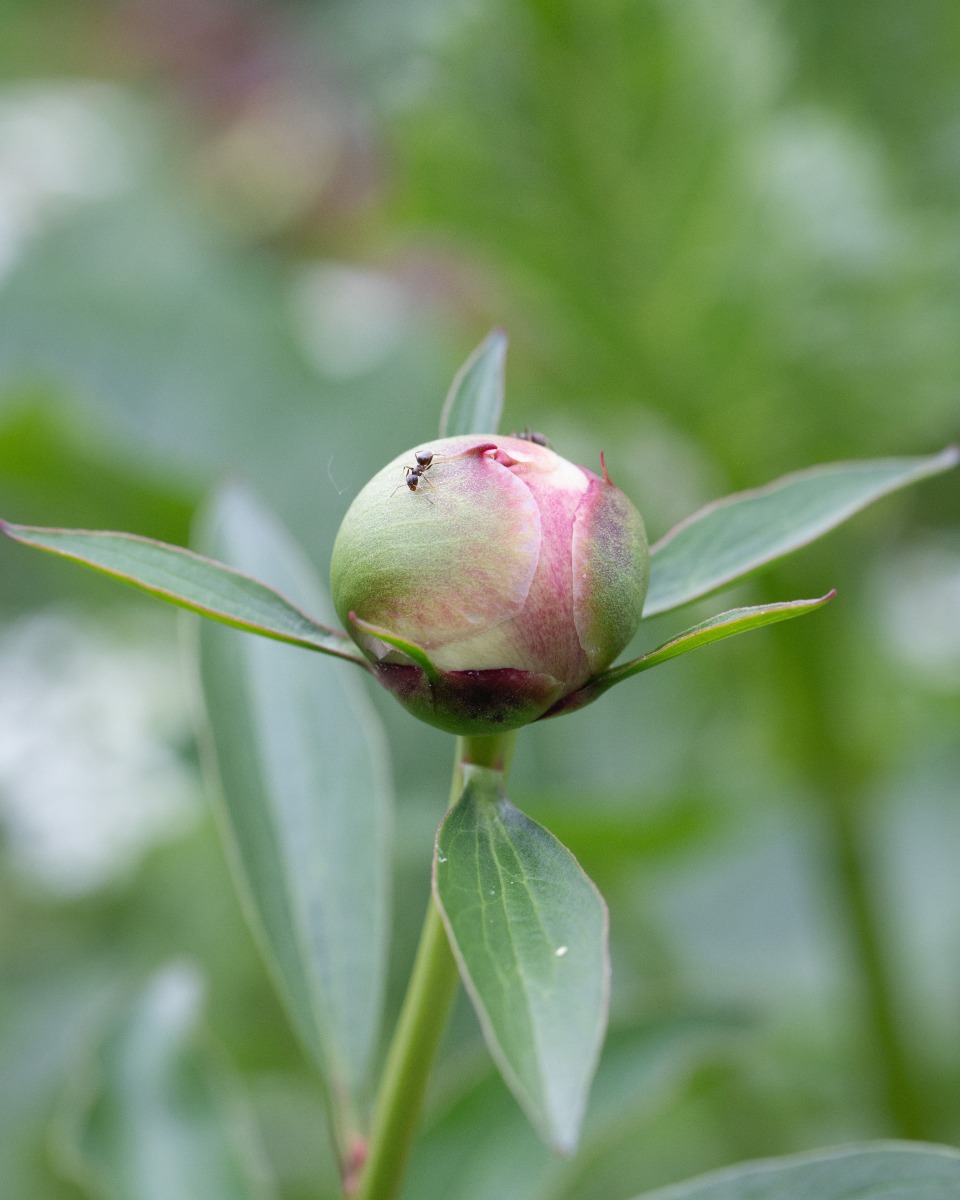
(516,575)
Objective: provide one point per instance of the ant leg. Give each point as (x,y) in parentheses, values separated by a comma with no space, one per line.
(407,472)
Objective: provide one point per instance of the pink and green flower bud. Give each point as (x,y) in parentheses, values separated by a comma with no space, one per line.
(512,576)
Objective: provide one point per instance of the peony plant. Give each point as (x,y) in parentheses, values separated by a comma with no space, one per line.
(486,583)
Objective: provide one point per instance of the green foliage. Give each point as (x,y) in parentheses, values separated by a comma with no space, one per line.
(894,1172)
(740,534)
(306,807)
(515,902)
(723,238)
(713,629)
(529,930)
(415,653)
(670,208)
(474,403)
(154,1113)
(188,580)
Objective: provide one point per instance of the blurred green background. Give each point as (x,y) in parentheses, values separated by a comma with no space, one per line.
(254,239)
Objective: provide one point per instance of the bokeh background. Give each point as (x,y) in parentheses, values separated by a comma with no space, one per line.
(254,239)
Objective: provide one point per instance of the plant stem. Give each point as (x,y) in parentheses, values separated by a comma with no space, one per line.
(842,779)
(423,1018)
(426,1007)
(902,1090)
(494,752)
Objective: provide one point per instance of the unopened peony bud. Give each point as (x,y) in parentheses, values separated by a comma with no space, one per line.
(519,574)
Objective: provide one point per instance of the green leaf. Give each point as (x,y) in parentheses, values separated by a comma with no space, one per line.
(740,534)
(307,809)
(155,1115)
(415,653)
(713,629)
(190,581)
(529,931)
(474,402)
(885,1171)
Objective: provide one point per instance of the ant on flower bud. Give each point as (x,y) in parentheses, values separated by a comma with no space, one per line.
(529,435)
(415,475)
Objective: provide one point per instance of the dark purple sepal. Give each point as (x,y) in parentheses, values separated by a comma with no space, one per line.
(592,690)
(471,702)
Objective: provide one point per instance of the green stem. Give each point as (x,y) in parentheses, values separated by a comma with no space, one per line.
(902,1088)
(842,780)
(495,752)
(426,1007)
(430,994)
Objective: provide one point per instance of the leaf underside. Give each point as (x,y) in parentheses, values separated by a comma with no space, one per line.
(306,807)
(529,931)
(474,403)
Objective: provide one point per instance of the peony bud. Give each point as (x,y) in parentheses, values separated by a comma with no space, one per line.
(513,575)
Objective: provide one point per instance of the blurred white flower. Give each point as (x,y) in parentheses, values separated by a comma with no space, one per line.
(61,143)
(90,771)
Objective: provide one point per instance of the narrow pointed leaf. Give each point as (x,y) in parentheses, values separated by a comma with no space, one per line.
(529,931)
(414,652)
(885,1171)
(713,629)
(740,534)
(190,581)
(306,808)
(156,1114)
(475,400)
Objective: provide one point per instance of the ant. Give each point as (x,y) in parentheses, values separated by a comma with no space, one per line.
(530,435)
(415,475)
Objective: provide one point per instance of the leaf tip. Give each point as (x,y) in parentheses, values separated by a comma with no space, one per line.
(565,1142)
(21,533)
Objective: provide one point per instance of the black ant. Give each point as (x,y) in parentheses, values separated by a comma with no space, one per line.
(530,435)
(415,475)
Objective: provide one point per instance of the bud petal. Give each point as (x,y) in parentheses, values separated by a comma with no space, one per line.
(438,565)
(610,572)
